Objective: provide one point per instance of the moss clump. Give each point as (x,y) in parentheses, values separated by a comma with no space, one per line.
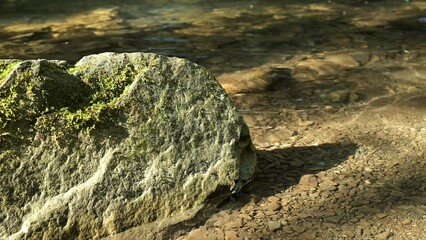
(107,85)
(56,99)
(102,102)
(9,99)
(36,89)
(6,67)
(15,106)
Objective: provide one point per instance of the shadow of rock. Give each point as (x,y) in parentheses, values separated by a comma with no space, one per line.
(363,198)
(280,169)
(277,170)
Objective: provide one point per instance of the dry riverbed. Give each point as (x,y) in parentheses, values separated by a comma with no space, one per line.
(339,157)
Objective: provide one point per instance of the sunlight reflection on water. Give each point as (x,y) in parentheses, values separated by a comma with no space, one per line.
(221,35)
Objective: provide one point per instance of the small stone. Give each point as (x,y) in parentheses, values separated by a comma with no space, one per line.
(406,221)
(369,210)
(328,213)
(276,135)
(299,229)
(273,199)
(419,211)
(374,59)
(218,223)
(255,79)
(243,234)
(338,195)
(258,215)
(334,219)
(346,61)
(285,201)
(288,231)
(339,96)
(417,199)
(231,235)
(353,97)
(273,206)
(329,108)
(274,225)
(329,225)
(381,215)
(296,163)
(304,215)
(245,216)
(307,225)
(271,214)
(306,123)
(324,177)
(237,223)
(314,195)
(363,203)
(365,223)
(328,186)
(249,208)
(359,231)
(348,230)
(251,225)
(361,57)
(197,234)
(308,181)
(383,235)
(293,219)
(367,232)
(308,236)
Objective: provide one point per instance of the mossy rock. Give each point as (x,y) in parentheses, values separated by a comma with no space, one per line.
(114,142)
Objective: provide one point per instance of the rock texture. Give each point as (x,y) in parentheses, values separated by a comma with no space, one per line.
(114,142)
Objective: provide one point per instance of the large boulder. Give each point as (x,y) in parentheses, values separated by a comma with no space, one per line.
(114,142)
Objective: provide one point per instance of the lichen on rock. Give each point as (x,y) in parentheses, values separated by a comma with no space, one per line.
(113,142)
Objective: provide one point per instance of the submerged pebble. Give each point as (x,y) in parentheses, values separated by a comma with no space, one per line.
(422,20)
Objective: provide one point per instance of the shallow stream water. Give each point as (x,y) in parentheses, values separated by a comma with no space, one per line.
(221,35)
(387,39)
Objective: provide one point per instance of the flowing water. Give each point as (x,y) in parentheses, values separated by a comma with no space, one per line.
(220,35)
(387,36)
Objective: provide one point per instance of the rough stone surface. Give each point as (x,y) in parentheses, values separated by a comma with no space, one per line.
(114,142)
(274,225)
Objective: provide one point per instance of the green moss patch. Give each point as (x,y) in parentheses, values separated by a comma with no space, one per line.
(6,67)
(100,103)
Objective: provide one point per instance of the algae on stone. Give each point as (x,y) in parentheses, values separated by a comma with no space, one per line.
(114,142)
